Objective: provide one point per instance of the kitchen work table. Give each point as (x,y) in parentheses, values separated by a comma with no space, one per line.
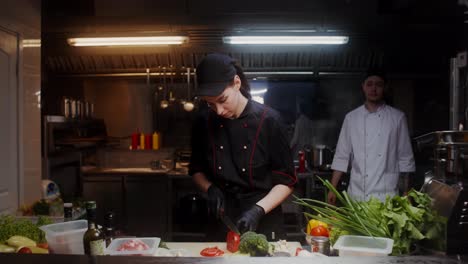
(82,259)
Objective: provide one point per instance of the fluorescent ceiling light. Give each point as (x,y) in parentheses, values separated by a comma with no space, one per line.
(31,43)
(258,92)
(285,40)
(127,41)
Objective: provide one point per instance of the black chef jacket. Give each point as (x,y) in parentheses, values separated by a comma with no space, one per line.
(245,157)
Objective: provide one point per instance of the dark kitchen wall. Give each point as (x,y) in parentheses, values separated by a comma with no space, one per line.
(131,105)
(55,88)
(412,39)
(125,105)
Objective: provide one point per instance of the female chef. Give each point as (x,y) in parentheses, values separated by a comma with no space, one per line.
(240,152)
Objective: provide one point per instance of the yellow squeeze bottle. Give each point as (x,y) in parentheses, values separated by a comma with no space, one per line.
(142,141)
(155,140)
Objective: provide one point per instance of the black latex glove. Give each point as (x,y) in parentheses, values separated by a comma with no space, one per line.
(250,218)
(215,201)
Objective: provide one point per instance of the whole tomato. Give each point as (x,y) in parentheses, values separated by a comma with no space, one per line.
(319,231)
(24,250)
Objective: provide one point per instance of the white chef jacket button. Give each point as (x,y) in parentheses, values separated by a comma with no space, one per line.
(245,147)
(219,168)
(243,169)
(221,147)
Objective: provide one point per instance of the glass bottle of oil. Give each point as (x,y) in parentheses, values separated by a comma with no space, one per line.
(93,240)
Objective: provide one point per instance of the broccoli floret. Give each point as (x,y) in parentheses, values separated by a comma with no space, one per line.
(247,234)
(254,244)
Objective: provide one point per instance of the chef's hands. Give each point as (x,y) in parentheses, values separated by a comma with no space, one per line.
(215,201)
(250,218)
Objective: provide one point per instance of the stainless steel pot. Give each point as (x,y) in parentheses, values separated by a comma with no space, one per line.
(322,157)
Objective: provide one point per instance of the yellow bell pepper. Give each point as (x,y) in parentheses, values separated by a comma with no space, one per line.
(314,223)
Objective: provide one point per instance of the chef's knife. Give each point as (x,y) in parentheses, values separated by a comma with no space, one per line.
(228,222)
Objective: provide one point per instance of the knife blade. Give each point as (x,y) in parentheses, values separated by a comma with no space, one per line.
(230,225)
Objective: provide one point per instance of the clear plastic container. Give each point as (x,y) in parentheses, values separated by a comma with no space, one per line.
(348,245)
(151,242)
(177,252)
(67,237)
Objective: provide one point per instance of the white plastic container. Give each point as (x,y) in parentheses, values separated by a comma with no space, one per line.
(67,237)
(151,242)
(348,245)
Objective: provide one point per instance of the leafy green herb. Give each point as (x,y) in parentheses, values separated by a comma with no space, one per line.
(10,226)
(406,219)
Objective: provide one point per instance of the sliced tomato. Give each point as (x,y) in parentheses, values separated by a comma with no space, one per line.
(232,241)
(212,252)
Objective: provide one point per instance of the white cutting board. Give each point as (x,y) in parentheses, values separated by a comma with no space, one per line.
(192,249)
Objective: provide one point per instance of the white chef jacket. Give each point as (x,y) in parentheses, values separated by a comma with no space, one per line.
(378,146)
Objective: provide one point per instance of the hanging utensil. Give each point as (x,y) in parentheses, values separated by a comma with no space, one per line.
(164,103)
(188,106)
(171,95)
(155,101)
(160,84)
(182,100)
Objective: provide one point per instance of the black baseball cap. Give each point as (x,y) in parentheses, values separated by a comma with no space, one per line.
(214,73)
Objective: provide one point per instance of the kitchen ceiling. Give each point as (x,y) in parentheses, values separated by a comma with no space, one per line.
(400,34)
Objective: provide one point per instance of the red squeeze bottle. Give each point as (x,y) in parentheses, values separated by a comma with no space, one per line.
(148,141)
(301,161)
(135,140)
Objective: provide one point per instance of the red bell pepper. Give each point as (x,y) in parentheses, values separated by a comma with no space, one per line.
(232,241)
